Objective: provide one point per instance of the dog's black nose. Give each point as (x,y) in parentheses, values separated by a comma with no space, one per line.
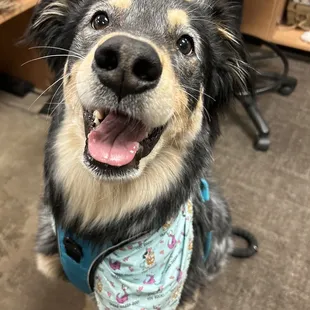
(127,66)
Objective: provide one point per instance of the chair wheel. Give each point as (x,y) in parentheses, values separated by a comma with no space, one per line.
(286,90)
(288,86)
(262,143)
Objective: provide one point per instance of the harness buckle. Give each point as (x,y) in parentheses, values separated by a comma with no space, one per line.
(73,249)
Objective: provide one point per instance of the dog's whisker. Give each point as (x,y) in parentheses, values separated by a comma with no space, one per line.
(71,87)
(54,110)
(205,109)
(192,9)
(198,91)
(191,96)
(57,90)
(194,89)
(59,104)
(56,103)
(240,72)
(48,88)
(76,104)
(56,48)
(207,113)
(49,56)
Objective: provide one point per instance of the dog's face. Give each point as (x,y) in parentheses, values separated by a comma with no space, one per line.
(140,77)
(129,83)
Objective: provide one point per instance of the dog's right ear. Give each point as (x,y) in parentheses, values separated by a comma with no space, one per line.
(50,30)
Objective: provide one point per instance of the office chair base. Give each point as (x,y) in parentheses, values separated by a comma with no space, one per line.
(272,81)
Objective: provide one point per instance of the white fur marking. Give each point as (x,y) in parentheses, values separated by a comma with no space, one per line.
(54,9)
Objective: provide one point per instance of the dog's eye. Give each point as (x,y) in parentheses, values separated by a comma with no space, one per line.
(186,45)
(100,20)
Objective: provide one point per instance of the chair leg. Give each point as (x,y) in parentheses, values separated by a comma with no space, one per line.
(279,82)
(262,141)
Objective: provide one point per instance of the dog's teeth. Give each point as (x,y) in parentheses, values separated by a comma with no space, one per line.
(97,115)
(96,122)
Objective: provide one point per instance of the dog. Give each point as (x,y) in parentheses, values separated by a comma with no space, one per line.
(139,89)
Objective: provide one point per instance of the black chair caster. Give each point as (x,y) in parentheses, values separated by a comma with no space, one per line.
(288,85)
(262,143)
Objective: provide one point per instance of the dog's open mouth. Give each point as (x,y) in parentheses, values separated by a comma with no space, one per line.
(115,140)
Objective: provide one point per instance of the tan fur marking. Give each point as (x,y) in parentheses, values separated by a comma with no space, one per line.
(57,8)
(227,34)
(121,4)
(177,18)
(187,128)
(49,266)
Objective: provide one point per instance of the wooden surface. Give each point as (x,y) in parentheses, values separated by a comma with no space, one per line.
(290,37)
(260,17)
(13,54)
(21,6)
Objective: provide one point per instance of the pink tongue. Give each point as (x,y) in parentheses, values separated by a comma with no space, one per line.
(116,140)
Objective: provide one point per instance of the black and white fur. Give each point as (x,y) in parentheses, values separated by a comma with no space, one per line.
(221,71)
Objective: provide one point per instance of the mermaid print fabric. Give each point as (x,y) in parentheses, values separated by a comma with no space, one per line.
(150,272)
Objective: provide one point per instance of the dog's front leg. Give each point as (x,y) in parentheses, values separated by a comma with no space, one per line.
(192,305)
(48,262)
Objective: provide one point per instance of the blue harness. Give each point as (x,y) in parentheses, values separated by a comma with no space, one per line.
(205,195)
(80,258)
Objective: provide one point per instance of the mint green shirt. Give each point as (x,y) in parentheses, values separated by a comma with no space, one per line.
(148,273)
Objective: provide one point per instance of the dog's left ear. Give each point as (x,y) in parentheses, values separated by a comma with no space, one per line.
(51,29)
(234,75)
(230,74)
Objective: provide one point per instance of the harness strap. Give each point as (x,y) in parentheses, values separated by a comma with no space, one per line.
(205,195)
(80,258)
(76,257)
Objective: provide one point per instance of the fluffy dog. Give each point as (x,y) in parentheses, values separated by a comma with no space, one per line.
(139,88)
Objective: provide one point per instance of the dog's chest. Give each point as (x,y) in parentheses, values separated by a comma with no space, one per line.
(145,272)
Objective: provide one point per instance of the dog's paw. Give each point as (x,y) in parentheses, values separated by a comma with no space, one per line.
(50,266)
(90,304)
(187,307)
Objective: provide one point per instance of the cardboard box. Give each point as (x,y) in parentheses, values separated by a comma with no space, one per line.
(261,17)
(298,15)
